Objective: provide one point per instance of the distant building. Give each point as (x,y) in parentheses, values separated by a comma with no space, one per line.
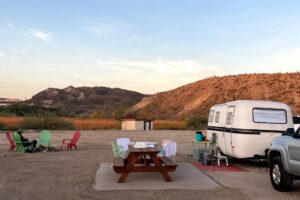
(137,125)
(8,101)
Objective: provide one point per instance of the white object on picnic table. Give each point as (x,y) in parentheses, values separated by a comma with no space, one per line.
(144,144)
(170,149)
(140,145)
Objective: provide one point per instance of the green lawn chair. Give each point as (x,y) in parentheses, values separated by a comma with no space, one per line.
(117,152)
(19,144)
(44,139)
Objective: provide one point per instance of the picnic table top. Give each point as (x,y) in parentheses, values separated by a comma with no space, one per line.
(155,149)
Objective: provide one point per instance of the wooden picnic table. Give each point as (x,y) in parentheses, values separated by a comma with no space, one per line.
(143,160)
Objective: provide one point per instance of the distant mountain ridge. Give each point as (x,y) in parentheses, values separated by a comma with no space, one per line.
(84,101)
(197,98)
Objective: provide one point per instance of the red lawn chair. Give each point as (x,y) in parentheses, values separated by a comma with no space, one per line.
(71,142)
(12,144)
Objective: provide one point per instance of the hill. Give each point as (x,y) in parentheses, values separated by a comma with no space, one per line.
(87,101)
(197,98)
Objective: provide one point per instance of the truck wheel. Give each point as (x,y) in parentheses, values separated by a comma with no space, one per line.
(281,180)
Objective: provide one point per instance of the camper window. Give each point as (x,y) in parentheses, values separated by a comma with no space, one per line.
(229,118)
(272,116)
(211,116)
(217,117)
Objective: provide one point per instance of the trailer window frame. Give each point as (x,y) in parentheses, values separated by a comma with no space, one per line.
(229,118)
(274,109)
(230,115)
(217,117)
(211,116)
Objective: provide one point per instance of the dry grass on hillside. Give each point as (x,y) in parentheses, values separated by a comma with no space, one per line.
(81,124)
(95,124)
(197,98)
(11,122)
(169,125)
(98,124)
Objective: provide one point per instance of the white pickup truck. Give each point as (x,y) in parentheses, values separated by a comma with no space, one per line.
(296,121)
(284,160)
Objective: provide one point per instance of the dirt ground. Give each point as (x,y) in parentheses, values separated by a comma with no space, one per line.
(71,174)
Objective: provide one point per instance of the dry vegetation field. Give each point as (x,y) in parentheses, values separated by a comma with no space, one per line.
(95,124)
(11,122)
(170,125)
(98,124)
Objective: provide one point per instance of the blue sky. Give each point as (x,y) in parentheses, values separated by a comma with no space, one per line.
(143,45)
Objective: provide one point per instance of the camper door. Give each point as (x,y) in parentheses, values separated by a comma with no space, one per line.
(228,132)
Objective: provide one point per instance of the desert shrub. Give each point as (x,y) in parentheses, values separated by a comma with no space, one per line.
(130,114)
(22,109)
(46,122)
(169,125)
(97,115)
(197,122)
(2,126)
(120,113)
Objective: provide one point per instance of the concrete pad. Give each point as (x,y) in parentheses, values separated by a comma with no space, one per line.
(186,176)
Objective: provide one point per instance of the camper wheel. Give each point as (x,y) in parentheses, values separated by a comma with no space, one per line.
(281,180)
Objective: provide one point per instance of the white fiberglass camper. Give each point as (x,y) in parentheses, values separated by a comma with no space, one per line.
(245,128)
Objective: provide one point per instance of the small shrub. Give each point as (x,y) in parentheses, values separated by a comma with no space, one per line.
(97,115)
(46,122)
(197,122)
(2,126)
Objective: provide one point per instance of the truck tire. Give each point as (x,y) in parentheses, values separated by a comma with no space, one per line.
(281,180)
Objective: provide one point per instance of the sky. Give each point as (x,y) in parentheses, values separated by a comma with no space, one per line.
(147,46)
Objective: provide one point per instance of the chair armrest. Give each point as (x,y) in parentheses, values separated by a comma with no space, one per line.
(63,141)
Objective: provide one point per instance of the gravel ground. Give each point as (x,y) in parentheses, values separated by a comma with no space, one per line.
(71,174)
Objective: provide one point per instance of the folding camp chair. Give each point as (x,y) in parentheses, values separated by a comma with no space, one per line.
(71,142)
(11,142)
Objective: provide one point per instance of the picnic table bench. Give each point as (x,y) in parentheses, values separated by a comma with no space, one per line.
(143,160)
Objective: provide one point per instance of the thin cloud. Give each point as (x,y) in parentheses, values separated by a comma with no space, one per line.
(148,76)
(43,36)
(136,38)
(23,52)
(2,55)
(249,12)
(109,29)
(38,34)
(283,60)
(103,29)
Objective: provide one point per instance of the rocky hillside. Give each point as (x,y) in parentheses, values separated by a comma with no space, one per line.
(87,101)
(197,98)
